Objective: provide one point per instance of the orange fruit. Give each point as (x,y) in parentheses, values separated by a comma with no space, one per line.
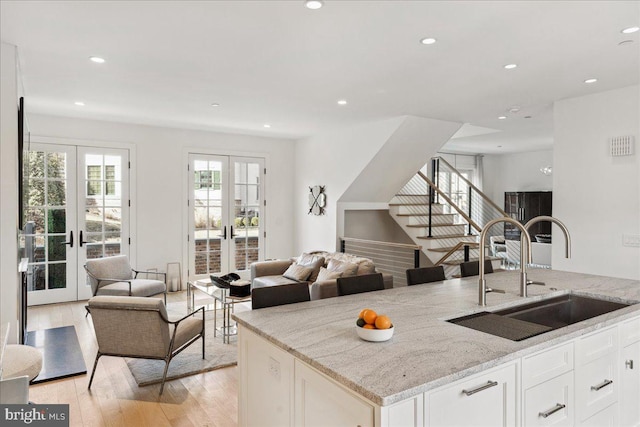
(383,322)
(369,316)
(361,315)
(368,326)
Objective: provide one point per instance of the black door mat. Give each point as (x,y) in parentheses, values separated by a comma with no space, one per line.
(61,353)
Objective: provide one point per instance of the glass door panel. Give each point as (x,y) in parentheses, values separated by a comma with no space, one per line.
(225,227)
(49,224)
(104,199)
(248,231)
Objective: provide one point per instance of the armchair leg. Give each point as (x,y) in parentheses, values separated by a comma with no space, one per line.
(95,365)
(164,375)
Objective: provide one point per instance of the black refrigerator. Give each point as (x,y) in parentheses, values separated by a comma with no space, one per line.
(524,205)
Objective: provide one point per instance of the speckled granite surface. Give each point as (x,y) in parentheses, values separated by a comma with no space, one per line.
(425,351)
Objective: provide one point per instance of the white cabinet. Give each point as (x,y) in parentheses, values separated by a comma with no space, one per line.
(485,399)
(550,403)
(596,373)
(321,402)
(608,417)
(629,368)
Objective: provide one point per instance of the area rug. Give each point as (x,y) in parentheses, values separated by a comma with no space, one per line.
(189,362)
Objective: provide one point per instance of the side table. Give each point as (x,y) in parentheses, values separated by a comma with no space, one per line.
(227,303)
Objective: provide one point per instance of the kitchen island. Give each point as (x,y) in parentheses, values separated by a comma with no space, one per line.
(299,361)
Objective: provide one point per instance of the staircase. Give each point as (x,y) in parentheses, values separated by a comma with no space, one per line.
(446,230)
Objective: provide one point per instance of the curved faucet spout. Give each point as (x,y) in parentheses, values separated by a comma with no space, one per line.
(565,231)
(482,283)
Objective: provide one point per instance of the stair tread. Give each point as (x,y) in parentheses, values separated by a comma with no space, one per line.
(447,249)
(436,225)
(424,214)
(446,236)
(460,261)
(414,204)
(411,195)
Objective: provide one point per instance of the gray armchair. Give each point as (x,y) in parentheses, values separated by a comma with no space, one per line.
(114,276)
(139,327)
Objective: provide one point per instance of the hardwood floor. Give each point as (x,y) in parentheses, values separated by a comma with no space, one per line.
(209,399)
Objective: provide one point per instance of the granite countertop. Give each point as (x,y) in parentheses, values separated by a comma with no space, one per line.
(425,351)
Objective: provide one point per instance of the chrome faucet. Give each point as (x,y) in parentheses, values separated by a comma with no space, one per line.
(482,283)
(567,244)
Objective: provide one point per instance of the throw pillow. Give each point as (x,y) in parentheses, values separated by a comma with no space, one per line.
(312,261)
(297,272)
(346,268)
(325,274)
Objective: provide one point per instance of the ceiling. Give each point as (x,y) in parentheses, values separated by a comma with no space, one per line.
(279,63)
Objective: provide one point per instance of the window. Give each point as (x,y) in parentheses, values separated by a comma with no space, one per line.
(94,180)
(207,179)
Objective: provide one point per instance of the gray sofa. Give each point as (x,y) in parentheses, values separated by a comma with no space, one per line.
(270,273)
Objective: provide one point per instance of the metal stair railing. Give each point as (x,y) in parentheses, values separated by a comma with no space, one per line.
(476,205)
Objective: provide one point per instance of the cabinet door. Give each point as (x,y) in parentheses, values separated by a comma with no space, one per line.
(630,385)
(608,417)
(596,385)
(320,402)
(550,403)
(488,399)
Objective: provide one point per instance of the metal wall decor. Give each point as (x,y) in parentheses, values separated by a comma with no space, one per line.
(317,200)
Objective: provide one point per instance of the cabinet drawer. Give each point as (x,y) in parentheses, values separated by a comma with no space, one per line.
(629,332)
(550,403)
(596,345)
(596,386)
(545,365)
(608,417)
(486,399)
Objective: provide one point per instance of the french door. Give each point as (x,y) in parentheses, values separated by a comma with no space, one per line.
(76,207)
(226,213)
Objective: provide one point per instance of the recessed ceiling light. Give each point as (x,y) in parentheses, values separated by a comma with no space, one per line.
(502,117)
(97,59)
(267,125)
(342,102)
(215,104)
(630,30)
(428,40)
(79,103)
(591,81)
(510,66)
(313,4)
(527,117)
(514,109)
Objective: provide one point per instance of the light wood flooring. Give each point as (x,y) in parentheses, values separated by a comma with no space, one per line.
(209,399)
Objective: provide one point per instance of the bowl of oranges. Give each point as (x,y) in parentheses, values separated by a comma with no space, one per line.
(372,326)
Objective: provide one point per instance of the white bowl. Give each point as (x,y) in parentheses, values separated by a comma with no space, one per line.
(375,335)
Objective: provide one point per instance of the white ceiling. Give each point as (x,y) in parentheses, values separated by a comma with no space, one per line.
(277,62)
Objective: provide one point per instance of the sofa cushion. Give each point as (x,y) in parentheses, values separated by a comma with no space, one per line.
(346,268)
(297,272)
(313,261)
(365,265)
(325,274)
(266,281)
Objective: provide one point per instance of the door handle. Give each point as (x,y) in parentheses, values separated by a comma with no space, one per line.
(489,384)
(232,235)
(552,411)
(70,242)
(81,240)
(224,233)
(601,385)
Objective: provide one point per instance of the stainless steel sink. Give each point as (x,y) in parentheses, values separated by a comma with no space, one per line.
(561,311)
(535,318)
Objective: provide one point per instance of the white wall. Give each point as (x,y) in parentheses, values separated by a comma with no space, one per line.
(594,194)
(516,172)
(160,176)
(333,159)
(9,190)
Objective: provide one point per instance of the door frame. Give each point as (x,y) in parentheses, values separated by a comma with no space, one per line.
(186,152)
(133,214)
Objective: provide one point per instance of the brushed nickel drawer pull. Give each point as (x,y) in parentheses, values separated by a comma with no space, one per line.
(489,384)
(603,385)
(552,411)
